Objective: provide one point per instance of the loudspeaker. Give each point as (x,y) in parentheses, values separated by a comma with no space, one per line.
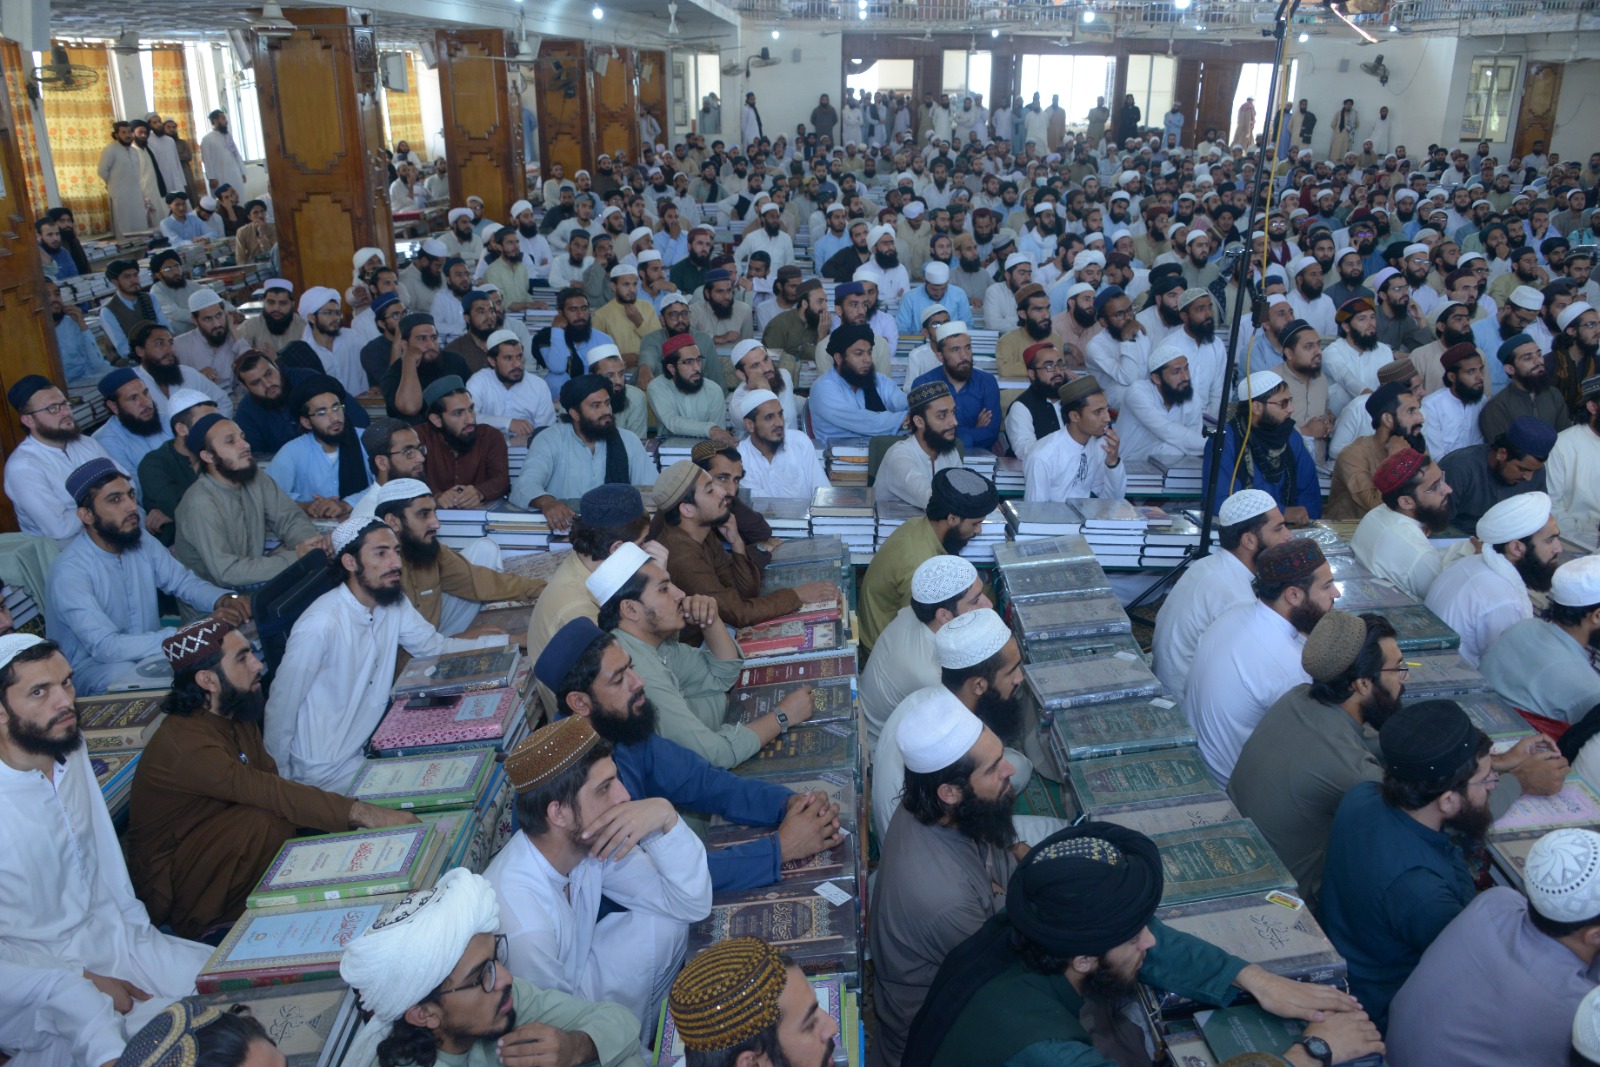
(395,72)
(429,58)
(243,45)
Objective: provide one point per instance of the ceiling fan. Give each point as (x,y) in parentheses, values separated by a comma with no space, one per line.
(127,44)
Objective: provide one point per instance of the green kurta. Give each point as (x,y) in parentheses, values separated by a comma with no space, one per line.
(164,476)
(886,587)
(223,528)
(689,688)
(680,414)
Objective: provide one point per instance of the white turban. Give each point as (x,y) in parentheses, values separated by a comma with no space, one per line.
(458,213)
(313,299)
(409,952)
(359,260)
(967,640)
(938,731)
(1085,259)
(1515,517)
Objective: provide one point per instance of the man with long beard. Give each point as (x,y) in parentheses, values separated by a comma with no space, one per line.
(1307,298)
(717,314)
(1351,269)
(461,239)
(226,516)
(1032,316)
(1452,412)
(135,430)
(1392,540)
(278,326)
(563,464)
(423,277)
(967,270)
(1275,458)
(325,465)
(683,404)
(212,346)
(1162,418)
(569,267)
(907,470)
(465,464)
(1160,315)
(209,810)
(157,365)
(689,273)
(795,334)
(1353,361)
(1528,392)
(1036,414)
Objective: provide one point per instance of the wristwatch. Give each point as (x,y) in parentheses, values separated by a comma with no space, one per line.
(1319,1049)
(783,723)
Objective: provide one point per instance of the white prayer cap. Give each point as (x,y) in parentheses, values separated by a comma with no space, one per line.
(1118,235)
(498,338)
(1586,1026)
(1277,298)
(1078,288)
(938,578)
(746,405)
(744,348)
(614,573)
(1164,355)
(770,205)
(878,233)
(182,400)
(1418,249)
(1244,505)
(1405,194)
(1200,231)
(1576,584)
(1563,875)
(638,233)
(938,273)
(969,639)
(624,270)
(950,329)
(1468,257)
(409,953)
(458,213)
(359,260)
(609,211)
(277,283)
(1527,298)
(598,353)
(1300,263)
(931,310)
(208,203)
(1087,259)
(312,300)
(1174,228)
(670,299)
(1258,384)
(519,207)
(1188,196)
(1017,259)
(868,272)
(1345,251)
(938,731)
(1571,313)
(14,643)
(1094,237)
(400,490)
(1127,176)
(649,255)
(835,207)
(208,298)
(1515,517)
(476,199)
(347,531)
(435,248)
(914,210)
(1122,194)
(1043,206)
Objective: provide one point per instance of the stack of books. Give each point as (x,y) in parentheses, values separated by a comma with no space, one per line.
(1143,477)
(1442,674)
(460,526)
(114,773)
(1065,580)
(812,559)
(348,866)
(424,783)
(1182,477)
(672,449)
(119,722)
(1057,685)
(472,671)
(518,530)
(516,456)
(979,460)
(892,513)
(790,518)
(1030,519)
(990,533)
(846,512)
(311,1023)
(1115,528)
(814,628)
(1227,859)
(1008,476)
(1037,621)
(1166,545)
(832,677)
(25,615)
(296,943)
(428,725)
(1042,552)
(847,461)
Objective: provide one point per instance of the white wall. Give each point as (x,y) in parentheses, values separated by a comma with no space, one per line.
(786,92)
(1578,112)
(1420,72)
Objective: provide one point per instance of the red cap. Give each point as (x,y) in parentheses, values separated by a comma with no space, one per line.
(1456,353)
(1397,470)
(1032,351)
(672,344)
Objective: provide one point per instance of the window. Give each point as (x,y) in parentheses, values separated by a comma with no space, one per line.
(1487,113)
(1077,80)
(966,72)
(1150,81)
(886,75)
(1255,80)
(222,84)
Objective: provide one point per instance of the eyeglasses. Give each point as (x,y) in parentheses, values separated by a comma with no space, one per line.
(50,409)
(331,409)
(411,452)
(1403,670)
(489,974)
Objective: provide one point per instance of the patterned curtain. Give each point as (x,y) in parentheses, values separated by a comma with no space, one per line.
(79,122)
(405,113)
(22,119)
(170,76)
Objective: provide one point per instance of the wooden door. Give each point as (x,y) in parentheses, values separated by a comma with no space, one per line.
(562,85)
(1219,80)
(652,92)
(616,116)
(1536,121)
(482,119)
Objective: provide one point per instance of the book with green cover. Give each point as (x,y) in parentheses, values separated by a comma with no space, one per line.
(1074,683)
(804,749)
(1243,1028)
(1139,725)
(459,672)
(1160,816)
(1166,774)
(1228,859)
(1419,630)
(357,863)
(452,780)
(295,943)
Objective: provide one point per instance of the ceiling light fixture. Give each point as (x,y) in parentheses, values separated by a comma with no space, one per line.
(1088,16)
(774,35)
(1303,38)
(1182,5)
(994,33)
(598,12)
(1393,28)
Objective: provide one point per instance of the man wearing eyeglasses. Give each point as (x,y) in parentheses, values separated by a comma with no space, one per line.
(36,472)
(264,414)
(324,465)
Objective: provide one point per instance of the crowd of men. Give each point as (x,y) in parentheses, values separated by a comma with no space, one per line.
(1447,298)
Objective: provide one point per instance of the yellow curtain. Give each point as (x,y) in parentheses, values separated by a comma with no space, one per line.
(405,113)
(79,121)
(170,77)
(22,120)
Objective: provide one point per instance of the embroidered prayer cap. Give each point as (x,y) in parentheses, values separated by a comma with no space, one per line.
(169,1039)
(1532,436)
(620,566)
(673,298)
(442,387)
(950,329)
(1086,889)
(204,298)
(1591,387)
(350,530)
(939,578)
(20,393)
(199,640)
(1429,741)
(964,493)
(624,270)
(574,391)
(1586,1026)
(1028,292)
(1351,308)
(411,949)
(1190,295)
(1563,875)
(1515,517)
(936,273)
(85,475)
(1032,352)
(1397,469)
(110,383)
(675,483)
(1571,313)
(676,343)
(1576,584)
(702,452)
(1333,645)
(1527,298)
(745,406)
(500,337)
(727,994)
(1289,561)
(1078,388)
(401,490)
(936,731)
(182,400)
(14,644)
(1162,356)
(313,299)
(744,348)
(931,310)
(549,751)
(970,638)
(1244,505)
(1261,383)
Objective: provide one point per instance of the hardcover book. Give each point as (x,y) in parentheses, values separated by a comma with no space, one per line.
(1077,580)
(787,638)
(848,500)
(300,1019)
(1575,805)
(1287,942)
(1167,774)
(107,766)
(1228,859)
(1071,683)
(454,780)
(1357,595)
(1071,618)
(459,672)
(1493,714)
(1093,646)
(1246,1028)
(295,943)
(114,722)
(833,700)
(1508,850)
(1108,514)
(1123,726)
(815,670)
(819,934)
(1066,548)
(1419,630)
(358,863)
(1161,816)
(1444,673)
(805,749)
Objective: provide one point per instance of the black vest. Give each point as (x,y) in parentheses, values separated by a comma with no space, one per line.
(1046,413)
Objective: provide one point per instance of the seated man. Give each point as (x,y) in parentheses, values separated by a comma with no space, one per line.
(689,686)
(628,403)
(854,399)
(445,586)
(1352,362)
(225,517)
(1392,541)
(505,395)
(906,471)
(1395,873)
(264,414)
(326,464)
(1251,656)
(277,326)
(1542,664)
(74,910)
(949,844)
(742,1000)
(1528,391)
(100,599)
(135,429)
(1083,458)
(1036,413)
(775,464)
(565,462)
(1483,595)
(684,403)
(976,392)
(674,314)
(942,587)
(1276,460)
(591,677)
(1451,412)
(1031,317)
(1301,370)
(1481,476)
(332,688)
(582,839)
(168,472)
(1572,467)
(960,501)
(1163,419)
(1396,424)
(758,369)
(466,465)
(36,470)
(1512,969)
(458,997)
(394,451)
(1077,938)
(209,811)
(421,363)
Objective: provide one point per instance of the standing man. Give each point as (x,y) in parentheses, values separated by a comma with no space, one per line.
(749,121)
(220,155)
(120,167)
(1345,125)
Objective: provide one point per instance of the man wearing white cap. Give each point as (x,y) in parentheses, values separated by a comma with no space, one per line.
(1483,595)
(337,349)
(625,318)
(1276,459)
(1248,522)
(1562,686)
(213,345)
(779,460)
(1502,982)
(434,975)
(906,657)
(277,326)
(949,853)
(1307,298)
(769,237)
(935,289)
(755,368)
(1573,475)
(332,687)
(70,905)
(1162,418)
(506,396)
(1000,301)
(460,239)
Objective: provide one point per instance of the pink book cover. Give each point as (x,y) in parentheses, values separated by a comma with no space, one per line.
(468,717)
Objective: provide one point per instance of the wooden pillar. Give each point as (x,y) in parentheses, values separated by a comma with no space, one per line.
(616,112)
(482,120)
(323,130)
(1004,72)
(562,83)
(24,314)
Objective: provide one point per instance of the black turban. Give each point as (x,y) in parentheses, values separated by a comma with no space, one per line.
(842,338)
(964,493)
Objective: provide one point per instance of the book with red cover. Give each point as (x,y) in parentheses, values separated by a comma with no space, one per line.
(813,670)
(787,635)
(833,700)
